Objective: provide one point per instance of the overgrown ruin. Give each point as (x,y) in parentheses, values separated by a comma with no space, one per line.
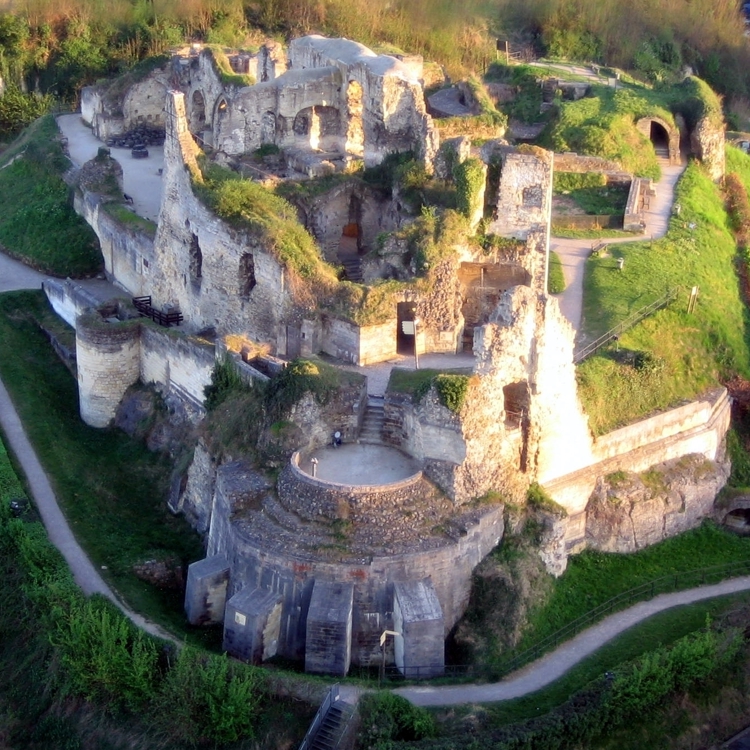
(317,570)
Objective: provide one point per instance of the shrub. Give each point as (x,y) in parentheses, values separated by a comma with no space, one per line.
(387,717)
(469,177)
(451,390)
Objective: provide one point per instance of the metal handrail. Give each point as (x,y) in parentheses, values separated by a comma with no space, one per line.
(625,325)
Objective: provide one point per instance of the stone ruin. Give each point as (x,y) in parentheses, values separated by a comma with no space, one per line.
(316,570)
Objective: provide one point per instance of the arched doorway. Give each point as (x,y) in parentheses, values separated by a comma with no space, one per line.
(660,138)
(316,126)
(355,132)
(197,113)
(738,520)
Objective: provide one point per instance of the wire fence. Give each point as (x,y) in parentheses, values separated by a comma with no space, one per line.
(644,592)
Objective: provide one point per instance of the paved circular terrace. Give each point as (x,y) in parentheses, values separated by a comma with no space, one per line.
(360,464)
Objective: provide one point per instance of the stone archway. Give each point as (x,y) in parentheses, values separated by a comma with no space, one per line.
(318,126)
(355,131)
(197,113)
(665,137)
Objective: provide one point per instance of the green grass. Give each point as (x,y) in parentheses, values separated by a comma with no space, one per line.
(662,629)
(556,280)
(601,201)
(37,221)
(590,234)
(417,382)
(594,577)
(111,488)
(699,350)
(128,218)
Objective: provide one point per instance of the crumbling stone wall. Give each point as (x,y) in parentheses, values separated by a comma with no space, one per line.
(221,293)
(708,144)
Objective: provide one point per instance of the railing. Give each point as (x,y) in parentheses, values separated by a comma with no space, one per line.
(328,701)
(146,310)
(663,585)
(625,325)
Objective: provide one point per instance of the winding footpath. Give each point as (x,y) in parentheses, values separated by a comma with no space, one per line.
(574,253)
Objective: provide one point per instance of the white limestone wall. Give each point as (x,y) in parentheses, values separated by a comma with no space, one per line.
(108,363)
(68,299)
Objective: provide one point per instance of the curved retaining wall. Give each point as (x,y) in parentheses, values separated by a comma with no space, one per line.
(254,562)
(108,357)
(311,497)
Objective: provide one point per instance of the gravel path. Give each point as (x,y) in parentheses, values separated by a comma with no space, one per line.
(574,253)
(551,667)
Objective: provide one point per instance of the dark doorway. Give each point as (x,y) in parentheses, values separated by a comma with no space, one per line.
(350,244)
(660,139)
(293,342)
(406,312)
(738,520)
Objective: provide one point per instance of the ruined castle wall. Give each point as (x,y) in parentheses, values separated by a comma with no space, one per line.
(708,144)
(237,286)
(698,428)
(128,253)
(68,299)
(144,101)
(258,563)
(108,359)
(176,363)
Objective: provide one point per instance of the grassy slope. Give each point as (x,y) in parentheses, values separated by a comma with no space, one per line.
(111,488)
(698,350)
(37,221)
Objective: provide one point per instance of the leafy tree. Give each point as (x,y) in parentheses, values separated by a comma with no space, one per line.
(17,110)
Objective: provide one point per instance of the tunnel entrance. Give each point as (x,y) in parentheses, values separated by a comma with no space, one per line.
(660,139)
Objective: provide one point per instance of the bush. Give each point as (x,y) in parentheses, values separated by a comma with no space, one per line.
(387,717)
(469,177)
(451,390)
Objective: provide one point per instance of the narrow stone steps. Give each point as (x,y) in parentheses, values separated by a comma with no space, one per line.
(332,727)
(372,424)
(352,268)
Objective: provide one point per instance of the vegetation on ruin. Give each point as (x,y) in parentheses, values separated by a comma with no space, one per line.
(470,178)
(515,603)
(697,350)
(226,73)
(38,224)
(451,386)
(527,102)
(111,488)
(248,205)
(76,673)
(451,390)
(130,219)
(556,278)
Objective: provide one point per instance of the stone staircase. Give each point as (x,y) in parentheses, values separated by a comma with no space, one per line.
(372,424)
(352,268)
(332,727)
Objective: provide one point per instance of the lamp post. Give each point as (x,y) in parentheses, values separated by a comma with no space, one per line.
(416,353)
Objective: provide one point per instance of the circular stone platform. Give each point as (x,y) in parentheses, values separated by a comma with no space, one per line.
(360,464)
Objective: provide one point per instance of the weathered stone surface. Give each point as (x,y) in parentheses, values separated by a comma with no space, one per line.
(628,511)
(164,574)
(251,625)
(328,643)
(707,143)
(206,591)
(419,650)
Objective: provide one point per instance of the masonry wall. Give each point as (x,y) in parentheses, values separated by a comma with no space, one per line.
(176,363)
(68,299)
(128,252)
(256,561)
(698,428)
(220,297)
(108,359)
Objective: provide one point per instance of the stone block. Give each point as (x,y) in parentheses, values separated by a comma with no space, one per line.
(206,591)
(418,617)
(329,628)
(251,625)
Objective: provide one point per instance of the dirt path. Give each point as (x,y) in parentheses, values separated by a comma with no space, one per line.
(574,253)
